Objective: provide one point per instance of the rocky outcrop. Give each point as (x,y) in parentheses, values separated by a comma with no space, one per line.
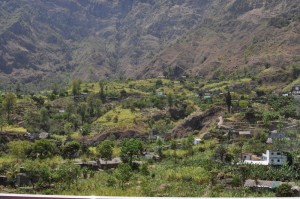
(6,137)
(197,121)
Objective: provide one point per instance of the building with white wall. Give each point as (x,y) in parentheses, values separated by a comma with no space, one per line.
(276,158)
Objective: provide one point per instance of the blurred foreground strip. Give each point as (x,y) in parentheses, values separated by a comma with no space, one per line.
(27,196)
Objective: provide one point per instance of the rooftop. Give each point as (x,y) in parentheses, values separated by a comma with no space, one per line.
(116,160)
(256,162)
(244,132)
(265,183)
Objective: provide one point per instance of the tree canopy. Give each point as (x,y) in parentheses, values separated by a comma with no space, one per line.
(105,149)
(130,148)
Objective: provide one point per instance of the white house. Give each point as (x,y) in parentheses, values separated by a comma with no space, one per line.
(197,141)
(276,158)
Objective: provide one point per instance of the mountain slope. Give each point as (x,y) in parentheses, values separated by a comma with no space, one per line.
(97,39)
(246,41)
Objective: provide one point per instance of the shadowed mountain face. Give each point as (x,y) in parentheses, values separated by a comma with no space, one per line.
(98,39)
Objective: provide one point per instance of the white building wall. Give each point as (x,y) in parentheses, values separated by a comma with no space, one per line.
(276,157)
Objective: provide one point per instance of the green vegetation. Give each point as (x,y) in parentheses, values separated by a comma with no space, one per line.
(119,118)
(151,125)
(105,150)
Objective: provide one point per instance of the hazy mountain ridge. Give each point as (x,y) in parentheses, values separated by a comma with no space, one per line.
(92,39)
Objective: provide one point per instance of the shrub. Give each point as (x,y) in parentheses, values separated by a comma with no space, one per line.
(111,182)
(236,181)
(284,190)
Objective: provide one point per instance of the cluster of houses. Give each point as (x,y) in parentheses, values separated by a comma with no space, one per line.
(271,157)
(23,180)
(295,92)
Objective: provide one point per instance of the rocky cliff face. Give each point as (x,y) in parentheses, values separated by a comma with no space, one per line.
(92,39)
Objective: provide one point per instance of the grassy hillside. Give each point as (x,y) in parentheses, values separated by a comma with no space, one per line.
(52,132)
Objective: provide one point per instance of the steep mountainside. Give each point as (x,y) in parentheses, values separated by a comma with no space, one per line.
(252,38)
(91,39)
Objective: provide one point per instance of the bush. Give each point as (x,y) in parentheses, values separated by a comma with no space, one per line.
(144,170)
(111,182)
(243,103)
(236,181)
(296,70)
(284,190)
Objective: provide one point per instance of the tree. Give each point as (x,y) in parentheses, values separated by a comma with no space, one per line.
(70,109)
(18,90)
(86,129)
(123,93)
(71,149)
(2,122)
(12,172)
(32,121)
(130,148)
(39,173)
(244,173)
(159,142)
(105,150)
(44,118)
(54,89)
(38,100)
(123,173)
(75,121)
(228,101)
(9,104)
(144,170)
(236,151)
(97,108)
(158,83)
(31,168)
(93,105)
(174,148)
(67,174)
(82,111)
(190,143)
(68,127)
(296,70)
(102,94)
(43,149)
(280,124)
(220,152)
(19,148)
(170,100)
(76,87)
